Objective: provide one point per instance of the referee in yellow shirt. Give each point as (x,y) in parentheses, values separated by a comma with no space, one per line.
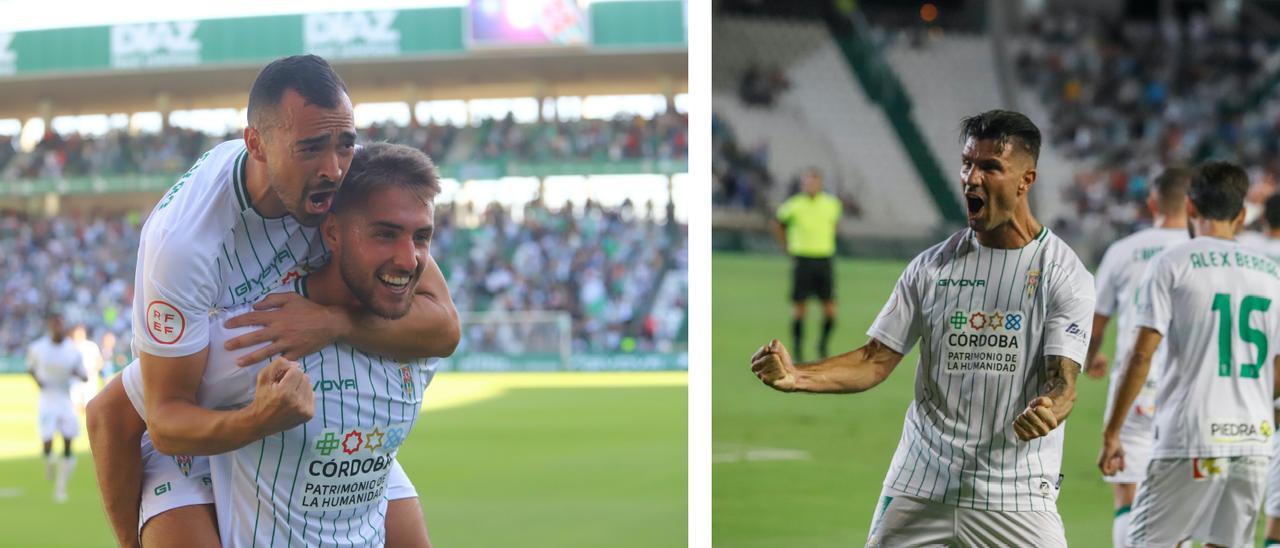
(806,228)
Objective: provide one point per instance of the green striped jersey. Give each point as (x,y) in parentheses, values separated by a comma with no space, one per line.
(324,482)
(986,319)
(1215,302)
(204,247)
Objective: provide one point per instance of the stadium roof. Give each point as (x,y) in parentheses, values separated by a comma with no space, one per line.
(450,52)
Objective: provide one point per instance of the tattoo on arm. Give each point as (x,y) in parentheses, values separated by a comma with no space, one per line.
(1060,384)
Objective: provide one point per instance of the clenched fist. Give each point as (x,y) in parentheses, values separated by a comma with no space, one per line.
(1036,421)
(283,398)
(772,364)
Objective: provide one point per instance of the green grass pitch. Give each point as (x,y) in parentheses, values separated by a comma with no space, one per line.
(544,459)
(802,470)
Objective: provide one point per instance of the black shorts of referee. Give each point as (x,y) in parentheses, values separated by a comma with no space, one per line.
(812,277)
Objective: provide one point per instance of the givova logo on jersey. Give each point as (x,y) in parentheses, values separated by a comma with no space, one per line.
(985,341)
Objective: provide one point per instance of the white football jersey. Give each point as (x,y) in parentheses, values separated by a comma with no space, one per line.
(324,483)
(321,483)
(204,246)
(1214,302)
(987,319)
(57,365)
(1268,246)
(1117,282)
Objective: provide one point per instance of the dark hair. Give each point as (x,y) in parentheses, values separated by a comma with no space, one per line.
(1171,189)
(1001,126)
(1271,211)
(1218,189)
(381,165)
(309,75)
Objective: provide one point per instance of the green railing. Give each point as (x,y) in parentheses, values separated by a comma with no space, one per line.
(474,170)
(883,87)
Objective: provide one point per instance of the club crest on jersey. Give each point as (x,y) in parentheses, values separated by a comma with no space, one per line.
(406,380)
(1033,280)
(184,464)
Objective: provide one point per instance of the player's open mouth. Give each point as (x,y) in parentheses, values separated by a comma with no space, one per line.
(395,283)
(975,204)
(318,203)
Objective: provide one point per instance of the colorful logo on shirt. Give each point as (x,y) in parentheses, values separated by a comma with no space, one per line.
(1076,332)
(1033,281)
(375,440)
(995,320)
(184,464)
(165,323)
(1203,469)
(406,380)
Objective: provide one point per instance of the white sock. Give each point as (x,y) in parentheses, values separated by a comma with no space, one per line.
(1120,528)
(65,466)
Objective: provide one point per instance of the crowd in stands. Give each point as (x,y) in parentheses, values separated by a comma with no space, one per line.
(1128,97)
(119,152)
(603,266)
(741,175)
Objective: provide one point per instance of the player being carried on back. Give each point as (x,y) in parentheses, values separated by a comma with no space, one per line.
(1212,300)
(1002,311)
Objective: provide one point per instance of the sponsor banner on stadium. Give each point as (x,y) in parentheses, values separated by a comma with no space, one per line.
(355,34)
(145,45)
(636,361)
(8,57)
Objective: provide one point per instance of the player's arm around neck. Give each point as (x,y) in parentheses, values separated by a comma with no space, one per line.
(851,372)
(179,426)
(429,330)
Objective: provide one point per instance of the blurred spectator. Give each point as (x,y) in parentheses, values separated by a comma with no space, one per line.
(1129,97)
(605,266)
(663,137)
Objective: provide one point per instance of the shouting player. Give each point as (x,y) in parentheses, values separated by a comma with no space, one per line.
(1117,281)
(55,362)
(1211,299)
(239,224)
(1003,312)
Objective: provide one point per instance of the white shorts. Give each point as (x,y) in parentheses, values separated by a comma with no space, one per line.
(1214,501)
(1137,436)
(173,482)
(58,418)
(1272,505)
(902,520)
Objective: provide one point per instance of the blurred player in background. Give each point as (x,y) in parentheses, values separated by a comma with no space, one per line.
(55,362)
(82,392)
(806,227)
(1117,282)
(1003,309)
(1212,299)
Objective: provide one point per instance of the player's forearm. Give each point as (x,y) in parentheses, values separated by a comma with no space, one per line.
(180,427)
(1060,385)
(1134,376)
(1097,337)
(848,373)
(115,434)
